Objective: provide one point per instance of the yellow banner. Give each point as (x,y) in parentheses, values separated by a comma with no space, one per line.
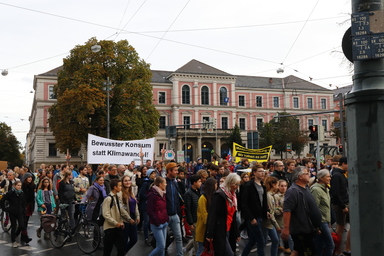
(259,155)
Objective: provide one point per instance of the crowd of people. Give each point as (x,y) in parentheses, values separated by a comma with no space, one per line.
(290,203)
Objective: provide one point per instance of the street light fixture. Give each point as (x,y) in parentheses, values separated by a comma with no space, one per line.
(107,87)
(4,72)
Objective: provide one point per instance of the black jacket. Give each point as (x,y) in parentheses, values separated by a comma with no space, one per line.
(217,223)
(251,207)
(339,188)
(17,202)
(66,192)
(174,200)
(191,199)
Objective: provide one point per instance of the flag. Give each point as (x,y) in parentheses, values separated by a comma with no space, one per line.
(229,156)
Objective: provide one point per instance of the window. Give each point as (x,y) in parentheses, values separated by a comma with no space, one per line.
(310,102)
(276,103)
(161,146)
(223,96)
(259,123)
(204,95)
(310,122)
(52,151)
(161,97)
(324,124)
(323,103)
(295,102)
(259,101)
(242,123)
(51,94)
(162,122)
(241,101)
(187,120)
(224,123)
(186,94)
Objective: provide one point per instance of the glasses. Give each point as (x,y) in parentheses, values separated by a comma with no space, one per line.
(280,165)
(237,184)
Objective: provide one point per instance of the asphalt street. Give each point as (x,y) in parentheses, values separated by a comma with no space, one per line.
(39,246)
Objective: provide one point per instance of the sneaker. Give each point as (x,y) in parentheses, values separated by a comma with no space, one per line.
(147,242)
(15,245)
(237,249)
(38,232)
(185,252)
(281,248)
(254,250)
(244,235)
(47,236)
(287,251)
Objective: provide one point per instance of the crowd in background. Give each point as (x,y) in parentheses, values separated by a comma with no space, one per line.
(289,203)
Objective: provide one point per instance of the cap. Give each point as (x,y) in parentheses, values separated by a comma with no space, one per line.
(149,171)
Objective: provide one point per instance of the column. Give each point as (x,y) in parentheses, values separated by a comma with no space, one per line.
(215,94)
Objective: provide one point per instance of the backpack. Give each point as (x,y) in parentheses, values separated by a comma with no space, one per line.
(48,222)
(101,218)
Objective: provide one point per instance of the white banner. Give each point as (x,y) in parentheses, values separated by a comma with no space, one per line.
(102,150)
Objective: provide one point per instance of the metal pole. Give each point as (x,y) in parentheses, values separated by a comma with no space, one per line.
(317,145)
(108,113)
(364,112)
(342,136)
(185,145)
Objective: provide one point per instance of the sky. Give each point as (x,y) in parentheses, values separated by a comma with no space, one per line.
(242,37)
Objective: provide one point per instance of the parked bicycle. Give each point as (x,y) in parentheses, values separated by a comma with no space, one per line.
(87,232)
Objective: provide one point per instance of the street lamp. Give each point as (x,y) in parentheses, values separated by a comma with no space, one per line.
(107,87)
(4,72)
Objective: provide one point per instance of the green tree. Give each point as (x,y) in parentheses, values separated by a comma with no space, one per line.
(81,106)
(279,133)
(9,146)
(233,137)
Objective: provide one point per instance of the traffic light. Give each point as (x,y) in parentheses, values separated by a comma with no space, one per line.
(340,148)
(314,132)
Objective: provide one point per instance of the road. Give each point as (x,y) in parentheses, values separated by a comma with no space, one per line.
(43,247)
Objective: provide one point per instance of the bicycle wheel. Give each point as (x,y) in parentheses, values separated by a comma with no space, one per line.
(5,221)
(58,237)
(88,236)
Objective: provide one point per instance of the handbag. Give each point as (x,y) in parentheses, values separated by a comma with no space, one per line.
(208,249)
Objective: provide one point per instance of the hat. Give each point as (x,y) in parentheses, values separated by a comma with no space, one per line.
(149,172)
(198,158)
(170,166)
(26,175)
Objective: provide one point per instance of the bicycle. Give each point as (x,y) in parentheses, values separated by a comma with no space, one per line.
(4,217)
(87,232)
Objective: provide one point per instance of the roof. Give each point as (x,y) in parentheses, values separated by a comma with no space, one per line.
(197,67)
(52,72)
(342,90)
(159,76)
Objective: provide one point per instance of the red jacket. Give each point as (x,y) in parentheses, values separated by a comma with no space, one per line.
(156,208)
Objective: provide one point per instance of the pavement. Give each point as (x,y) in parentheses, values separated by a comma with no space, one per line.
(39,246)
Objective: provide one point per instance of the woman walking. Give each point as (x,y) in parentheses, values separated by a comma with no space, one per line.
(66,193)
(131,206)
(158,216)
(17,207)
(222,224)
(45,202)
(95,196)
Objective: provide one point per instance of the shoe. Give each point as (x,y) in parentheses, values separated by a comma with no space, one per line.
(347,253)
(237,245)
(254,250)
(185,252)
(281,248)
(47,236)
(237,249)
(38,232)
(244,235)
(287,251)
(147,242)
(15,245)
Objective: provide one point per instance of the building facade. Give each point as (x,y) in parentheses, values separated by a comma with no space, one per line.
(195,93)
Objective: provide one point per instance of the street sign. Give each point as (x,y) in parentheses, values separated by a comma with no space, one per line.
(210,130)
(180,156)
(289,147)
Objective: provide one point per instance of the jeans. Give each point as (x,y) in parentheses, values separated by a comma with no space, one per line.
(324,241)
(200,248)
(130,233)
(160,234)
(174,225)
(145,225)
(255,235)
(272,233)
(69,210)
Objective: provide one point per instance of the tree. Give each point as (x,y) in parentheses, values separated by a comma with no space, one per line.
(233,137)
(279,133)
(9,146)
(81,106)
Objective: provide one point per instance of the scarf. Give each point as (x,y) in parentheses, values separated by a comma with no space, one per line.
(232,199)
(158,190)
(18,192)
(101,188)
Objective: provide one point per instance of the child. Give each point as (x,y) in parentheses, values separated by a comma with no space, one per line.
(45,202)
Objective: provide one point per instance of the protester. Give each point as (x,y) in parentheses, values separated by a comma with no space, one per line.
(223,210)
(158,214)
(95,196)
(66,194)
(45,202)
(28,187)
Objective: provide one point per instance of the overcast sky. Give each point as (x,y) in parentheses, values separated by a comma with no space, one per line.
(242,37)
